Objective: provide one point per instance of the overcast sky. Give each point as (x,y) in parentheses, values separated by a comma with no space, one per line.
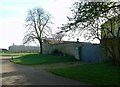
(14,12)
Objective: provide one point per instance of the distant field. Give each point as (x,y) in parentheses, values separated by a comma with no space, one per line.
(14,54)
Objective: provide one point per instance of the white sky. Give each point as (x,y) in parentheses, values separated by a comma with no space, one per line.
(14,12)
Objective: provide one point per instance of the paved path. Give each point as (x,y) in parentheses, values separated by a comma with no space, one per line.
(14,74)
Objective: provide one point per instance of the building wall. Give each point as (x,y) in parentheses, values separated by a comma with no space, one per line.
(110,41)
(22,48)
(114,24)
(72,48)
(109,44)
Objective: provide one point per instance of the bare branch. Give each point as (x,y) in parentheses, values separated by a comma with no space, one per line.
(37,23)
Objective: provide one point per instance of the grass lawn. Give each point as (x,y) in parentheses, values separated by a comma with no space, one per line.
(99,74)
(34,59)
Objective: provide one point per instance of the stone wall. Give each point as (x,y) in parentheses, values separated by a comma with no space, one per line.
(71,48)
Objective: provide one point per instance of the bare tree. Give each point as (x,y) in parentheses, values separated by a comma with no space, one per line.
(57,37)
(38,24)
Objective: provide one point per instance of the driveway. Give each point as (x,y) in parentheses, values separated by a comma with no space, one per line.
(14,74)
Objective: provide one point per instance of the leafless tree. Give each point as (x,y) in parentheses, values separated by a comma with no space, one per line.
(57,37)
(38,24)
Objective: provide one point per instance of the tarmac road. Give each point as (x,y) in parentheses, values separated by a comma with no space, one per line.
(14,74)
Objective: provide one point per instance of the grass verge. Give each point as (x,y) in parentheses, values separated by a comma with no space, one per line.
(34,59)
(99,74)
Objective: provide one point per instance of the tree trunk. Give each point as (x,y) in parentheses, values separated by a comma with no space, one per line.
(118,50)
(41,49)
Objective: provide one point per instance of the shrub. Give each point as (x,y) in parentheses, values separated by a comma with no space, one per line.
(57,52)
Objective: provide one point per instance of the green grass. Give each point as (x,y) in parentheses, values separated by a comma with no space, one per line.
(34,59)
(99,74)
